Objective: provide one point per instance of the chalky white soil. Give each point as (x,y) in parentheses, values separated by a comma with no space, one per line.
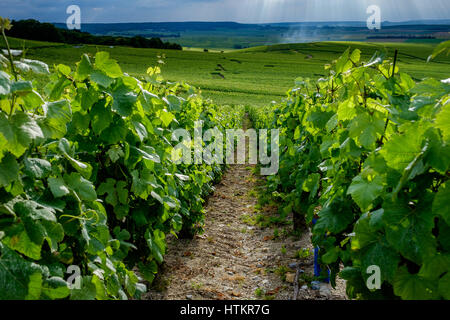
(235,258)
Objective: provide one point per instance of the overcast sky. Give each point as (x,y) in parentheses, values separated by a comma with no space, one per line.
(251,11)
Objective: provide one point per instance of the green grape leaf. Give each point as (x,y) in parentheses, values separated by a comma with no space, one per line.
(34,287)
(57,88)
(122,192)
(331,255)
(84,68)
(115,153)
(182,177)
(55,288)
(355,56)
(9,170)
(21,86)
(374,249)
(139,186)
(101,117)
(409,229)
(320,119)
(88,97)
(37,67)
(332,123)
(376,219)
(350,273)
(343,64)
(19,131)
(109,188)
(80,121)
(5,83)
(147,153)
(140,130)
(37,168)
(22,243)
(441,203)
(366,129)
(65,70)
(435,267)
(401,149)
(123,101)
(18,277)
(84,188)
(84,168)
(109,66)
(54,234)
(86,292)
(382,255)
(101,79)
(156,196)
(174,103)
(441,48)
(34,210)
(171,202)
(35,230)
(166,117)
(444,284)
(58,187)
(346,110)
(156,243)
(311,184)
(148,270)
(115,132)
(332,219)
(413,287)
(438,155)
(443,121)
(57,115)
(156,252)
(364,192)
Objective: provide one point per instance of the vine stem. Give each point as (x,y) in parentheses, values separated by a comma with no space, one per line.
(11,61)
(13,70)
(380,143)
(296,289)
(387,119)
(395,62)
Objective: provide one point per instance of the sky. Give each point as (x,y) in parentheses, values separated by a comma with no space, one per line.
(245,11)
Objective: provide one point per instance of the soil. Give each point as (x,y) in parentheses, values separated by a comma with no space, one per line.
(237,256)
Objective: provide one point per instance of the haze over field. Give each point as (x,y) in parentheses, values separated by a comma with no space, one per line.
(246,11)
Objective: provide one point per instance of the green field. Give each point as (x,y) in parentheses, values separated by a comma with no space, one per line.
(232,35)
(254,76)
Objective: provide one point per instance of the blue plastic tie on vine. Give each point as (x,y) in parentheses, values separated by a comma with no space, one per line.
(317,269)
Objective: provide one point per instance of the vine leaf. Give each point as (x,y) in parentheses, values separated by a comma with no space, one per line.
(364,192)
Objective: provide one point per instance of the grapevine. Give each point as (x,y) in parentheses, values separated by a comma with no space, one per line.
(87,179)
(366,151)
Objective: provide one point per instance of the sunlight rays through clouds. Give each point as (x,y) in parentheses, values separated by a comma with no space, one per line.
(340,10)
(245,11)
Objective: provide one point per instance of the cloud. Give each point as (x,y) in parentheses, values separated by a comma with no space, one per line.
(224,10)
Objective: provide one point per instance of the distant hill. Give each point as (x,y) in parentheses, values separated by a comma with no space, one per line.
(418,22)
(232,35)
(35,30)
(105,28)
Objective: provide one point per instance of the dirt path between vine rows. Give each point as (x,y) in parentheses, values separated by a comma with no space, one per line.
(236,257)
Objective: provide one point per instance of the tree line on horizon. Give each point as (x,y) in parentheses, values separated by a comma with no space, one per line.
(34,30)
